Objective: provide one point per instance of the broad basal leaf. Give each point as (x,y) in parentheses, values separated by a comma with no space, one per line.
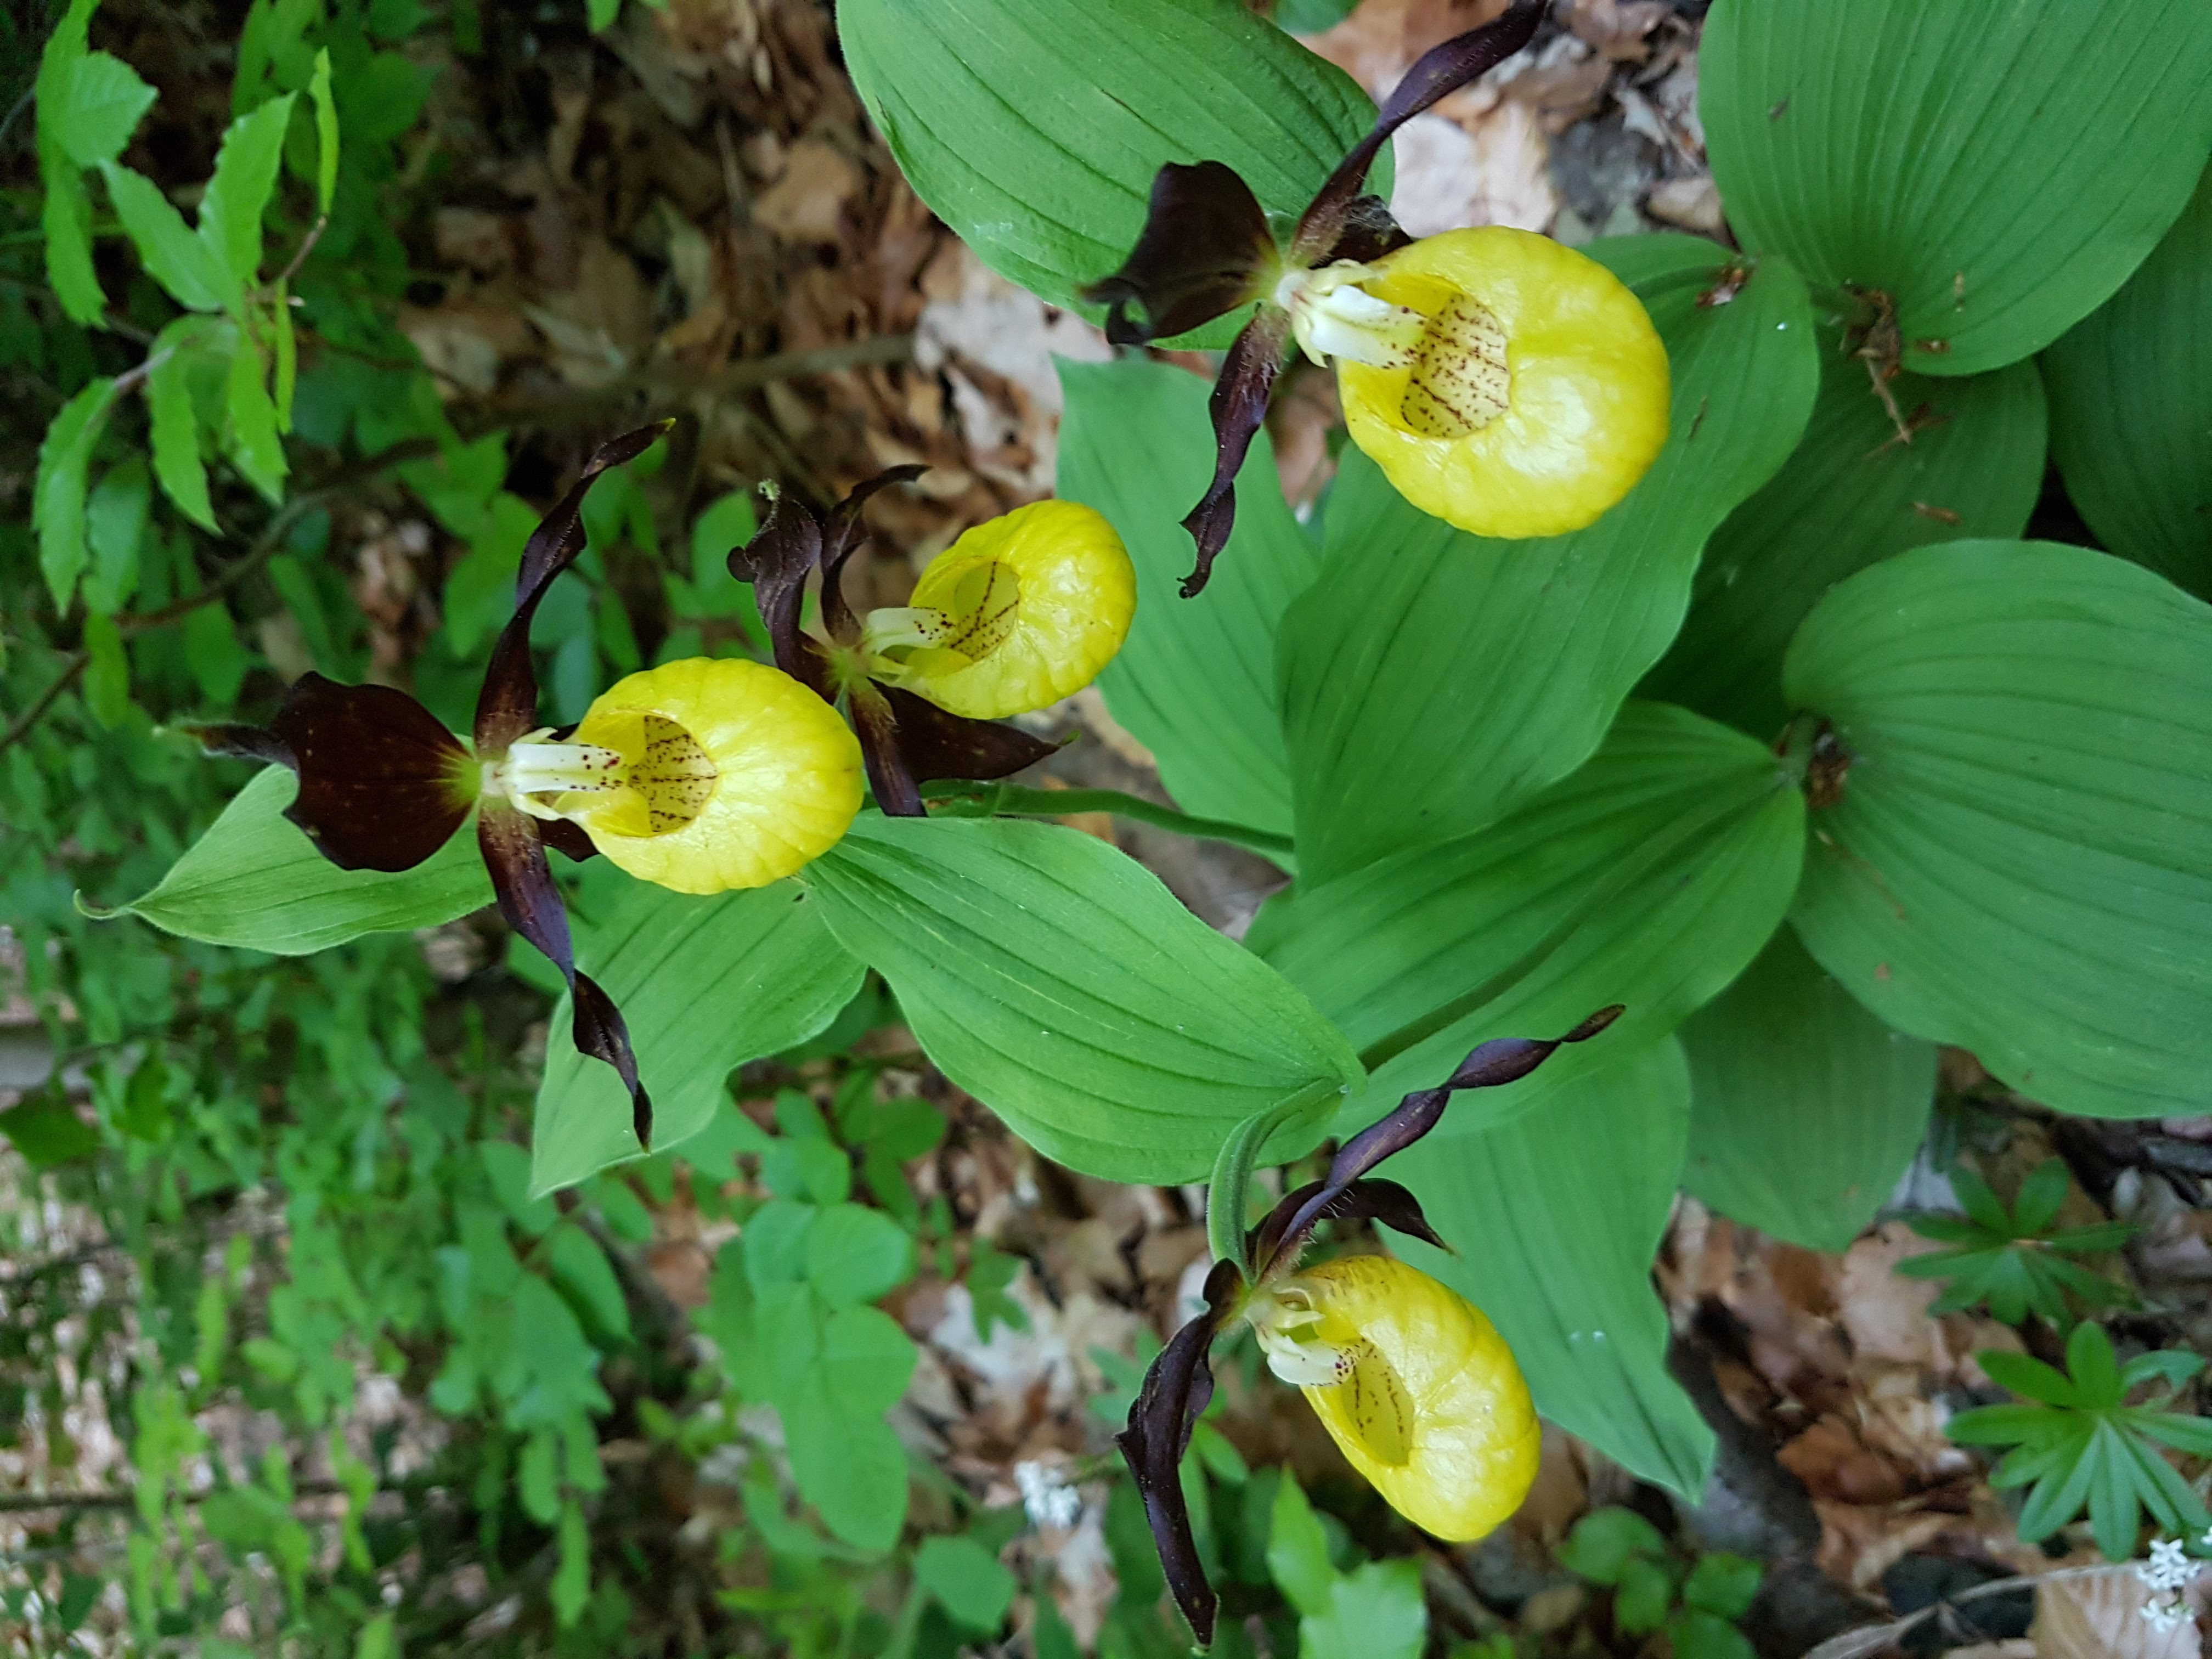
(1033,127)
(1852,494)
(2131,407)
(253,880)
(705,985)
(1995,169)
(1649,878)
(1805,1108)
(2019,858)
(1554,1219)
(1057,982)
(1432,680)
(1196,680)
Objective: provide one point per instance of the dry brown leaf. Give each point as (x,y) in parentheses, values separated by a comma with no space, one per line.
(807,203)
(1495,170)
(1693,203)
(2099,1615)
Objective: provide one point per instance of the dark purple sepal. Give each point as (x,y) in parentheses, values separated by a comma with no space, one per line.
(1440,71)
(1283,1233)
(522,880)
(897,795)
(566,837)
(1239,408)
(777,561)
(507,706)
(1385,1201)
(936,743)
(1202,253)
(1369,233)
(380,785)
(842,534)
(1176,1389)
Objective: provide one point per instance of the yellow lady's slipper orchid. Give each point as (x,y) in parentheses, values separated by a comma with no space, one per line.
(1019,612)
(1414,1384)
(1503,383)
(700,775)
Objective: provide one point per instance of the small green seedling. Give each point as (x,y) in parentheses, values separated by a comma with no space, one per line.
(1698,1609)
(2083,1444)
(2014,1261)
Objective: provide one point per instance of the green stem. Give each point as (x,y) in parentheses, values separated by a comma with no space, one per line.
(1010,799)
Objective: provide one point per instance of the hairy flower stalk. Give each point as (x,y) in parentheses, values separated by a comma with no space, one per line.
(1410,1381)
(1503,383)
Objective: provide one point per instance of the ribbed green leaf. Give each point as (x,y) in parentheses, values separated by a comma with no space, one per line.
(1996,169)
(2019,860)
(1033,127)
(58,496)
(1852,495)
(1649,878)
(705,985)
(1057,982)
(1805,1109)
(1432,680)
(1196,681)
(253,880)
(2131,407)
(1554,1219)
(238,193)
(187,266)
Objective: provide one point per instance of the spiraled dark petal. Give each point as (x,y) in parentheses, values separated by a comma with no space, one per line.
(896,793)
(842,534)
(1202,253)
(935,744)
(1238,406)
(1284,1233)
(1176,1390)
(777,562)
(1441,70)
(506,707)
(380,778)
(566,837)
(523,882)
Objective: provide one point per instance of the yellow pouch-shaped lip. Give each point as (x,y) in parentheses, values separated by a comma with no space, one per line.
(1033,604)
(735,775)
(1586,401)
(1432,1411)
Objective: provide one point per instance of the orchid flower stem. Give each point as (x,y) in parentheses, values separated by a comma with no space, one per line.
(973,800)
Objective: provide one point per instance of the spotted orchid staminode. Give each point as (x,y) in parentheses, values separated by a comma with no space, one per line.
(1503,383)
(698,775)
(1412,1381)
(1017,613)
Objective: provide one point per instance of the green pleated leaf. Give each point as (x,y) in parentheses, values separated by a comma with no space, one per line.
(1997,169)
(1196,681)
(1433,680)
(1554,1219)
(1851,494)
(253,880)
(2017,861)
(705,985)
(1805,1109)
(2131,407)
(1057,982)
(1649,878)
(1033,127)
(238,192)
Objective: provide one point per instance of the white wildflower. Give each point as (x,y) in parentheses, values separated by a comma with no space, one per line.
(2166,1612)
(1051,1501)
(2169,1567)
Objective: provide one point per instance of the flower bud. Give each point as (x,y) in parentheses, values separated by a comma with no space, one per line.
(1414,1385)
(1019,612)
(1535,397)
(700,775)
